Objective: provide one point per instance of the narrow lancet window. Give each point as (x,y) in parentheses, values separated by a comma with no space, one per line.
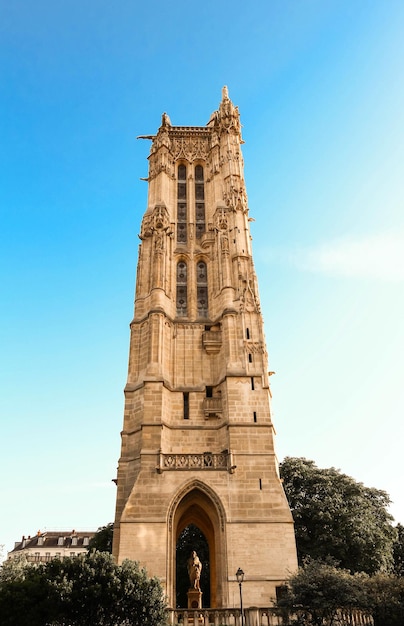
(181,288)
(202,289)
(182,204)
(199,201)
(186,405)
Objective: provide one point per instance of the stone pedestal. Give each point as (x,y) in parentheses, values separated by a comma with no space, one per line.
(194,599)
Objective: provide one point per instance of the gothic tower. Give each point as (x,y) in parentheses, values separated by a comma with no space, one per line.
(197,439)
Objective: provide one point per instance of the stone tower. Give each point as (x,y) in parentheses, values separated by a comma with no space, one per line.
(197,439)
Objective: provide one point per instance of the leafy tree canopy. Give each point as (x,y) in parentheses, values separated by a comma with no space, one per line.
(321,593)
(398,551)
(102,540)
(318,592)
(82,590)
(386,599)
(337,517)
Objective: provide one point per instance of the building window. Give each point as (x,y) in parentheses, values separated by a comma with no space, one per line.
(60,541)
(252,383)
(186,405)
(199,201)
(74,541)
(202,289)
(181,288)
(247,333)
(47,556)
(182,204)
(86,541)
(255,416)
(250,358)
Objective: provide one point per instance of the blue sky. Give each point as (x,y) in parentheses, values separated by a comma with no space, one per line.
(320,89)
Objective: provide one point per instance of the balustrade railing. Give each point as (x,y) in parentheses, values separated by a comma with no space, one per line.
(225,617)
(256,617)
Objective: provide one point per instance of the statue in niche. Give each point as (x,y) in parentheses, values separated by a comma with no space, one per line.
(194,571)
(159,243)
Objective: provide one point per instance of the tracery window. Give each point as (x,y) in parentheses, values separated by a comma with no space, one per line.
(202,289)
(199,201)
(181,288)
(182,204)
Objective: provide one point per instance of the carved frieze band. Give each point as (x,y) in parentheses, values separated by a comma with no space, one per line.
(190,148)
(204,461)
(255,347)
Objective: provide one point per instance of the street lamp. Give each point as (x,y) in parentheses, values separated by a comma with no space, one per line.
(240,578)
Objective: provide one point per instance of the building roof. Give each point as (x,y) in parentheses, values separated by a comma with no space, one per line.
(54,539)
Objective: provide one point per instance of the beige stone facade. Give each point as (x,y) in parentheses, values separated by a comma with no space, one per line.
(197,440)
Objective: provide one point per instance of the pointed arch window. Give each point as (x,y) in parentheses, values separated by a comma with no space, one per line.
(182,204)
(202,289)
(181,288)
(199,201)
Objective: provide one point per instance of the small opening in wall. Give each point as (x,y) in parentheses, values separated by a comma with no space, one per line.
(250,358)
(247,333)
(186,405)
(207,326)
(209,392)
(255,416)
(252,383)
(281,592)
(260,483)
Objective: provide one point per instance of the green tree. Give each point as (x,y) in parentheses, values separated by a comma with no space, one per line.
(82,590)
(102,540)
(26,597)
(398,551)
(14,569)
(386,599)
(338,517)
(320,592)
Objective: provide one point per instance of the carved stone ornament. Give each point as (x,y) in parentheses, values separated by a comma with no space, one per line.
(255,347)
(249,301)
(190,148)
(227,118)
(204,461)
(156,222)
(160,162)
(236,198)
(221,219)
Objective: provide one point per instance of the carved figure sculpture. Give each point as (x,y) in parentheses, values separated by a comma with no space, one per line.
(194,571)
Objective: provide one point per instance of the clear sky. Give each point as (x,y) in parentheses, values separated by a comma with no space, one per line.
(320,88)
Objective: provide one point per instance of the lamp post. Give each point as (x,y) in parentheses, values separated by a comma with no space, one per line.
(240,578)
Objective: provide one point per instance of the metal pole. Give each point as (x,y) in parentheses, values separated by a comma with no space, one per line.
(241,605)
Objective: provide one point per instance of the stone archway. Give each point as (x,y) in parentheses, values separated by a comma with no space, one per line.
(198,504)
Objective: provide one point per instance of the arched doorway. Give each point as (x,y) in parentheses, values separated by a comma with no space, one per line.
(198,505)
(189,540)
